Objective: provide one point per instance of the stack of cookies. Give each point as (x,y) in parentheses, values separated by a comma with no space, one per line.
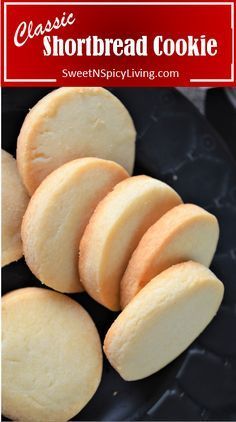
(82,222)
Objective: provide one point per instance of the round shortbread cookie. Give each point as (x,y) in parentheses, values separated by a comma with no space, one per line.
(114,230)
(57,215)
(186,232)
(14,202)
(51,356)
(72,123)
(163,320)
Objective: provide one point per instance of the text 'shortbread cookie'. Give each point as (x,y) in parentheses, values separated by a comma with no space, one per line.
(57,215)
(186,232)
(14,203)
(163,319)
(51,356)
(114,230)
(71,123)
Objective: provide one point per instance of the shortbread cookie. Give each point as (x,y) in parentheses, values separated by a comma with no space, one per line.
(51,356)
(57,215)
(186,232)
(72,123)
(114,231)
(14,202)
(163,320)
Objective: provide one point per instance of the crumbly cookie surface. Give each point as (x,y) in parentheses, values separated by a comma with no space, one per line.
(14,203)
(71,123)
(186,232)
(114,230)
(52,360)
(163,319)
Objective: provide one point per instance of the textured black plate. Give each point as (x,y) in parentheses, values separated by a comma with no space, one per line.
(176,144)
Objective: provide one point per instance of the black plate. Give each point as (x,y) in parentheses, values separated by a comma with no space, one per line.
(176,144)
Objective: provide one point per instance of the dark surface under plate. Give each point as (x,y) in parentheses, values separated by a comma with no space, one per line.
(176,144)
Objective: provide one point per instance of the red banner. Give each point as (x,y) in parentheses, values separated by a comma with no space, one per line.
(118,44)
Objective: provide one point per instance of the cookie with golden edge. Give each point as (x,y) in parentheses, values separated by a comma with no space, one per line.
(114,231)
(186,232)
(51,356)
(14,203)
(162,320)
(57,215)
(71,123)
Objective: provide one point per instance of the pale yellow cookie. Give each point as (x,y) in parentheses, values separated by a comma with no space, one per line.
(163,320)
(72,123)
(57,215)
(51,356)
(186,232)
(114,231)
(14,202)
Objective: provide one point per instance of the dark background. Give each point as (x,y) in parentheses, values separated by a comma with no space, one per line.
(178,145)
